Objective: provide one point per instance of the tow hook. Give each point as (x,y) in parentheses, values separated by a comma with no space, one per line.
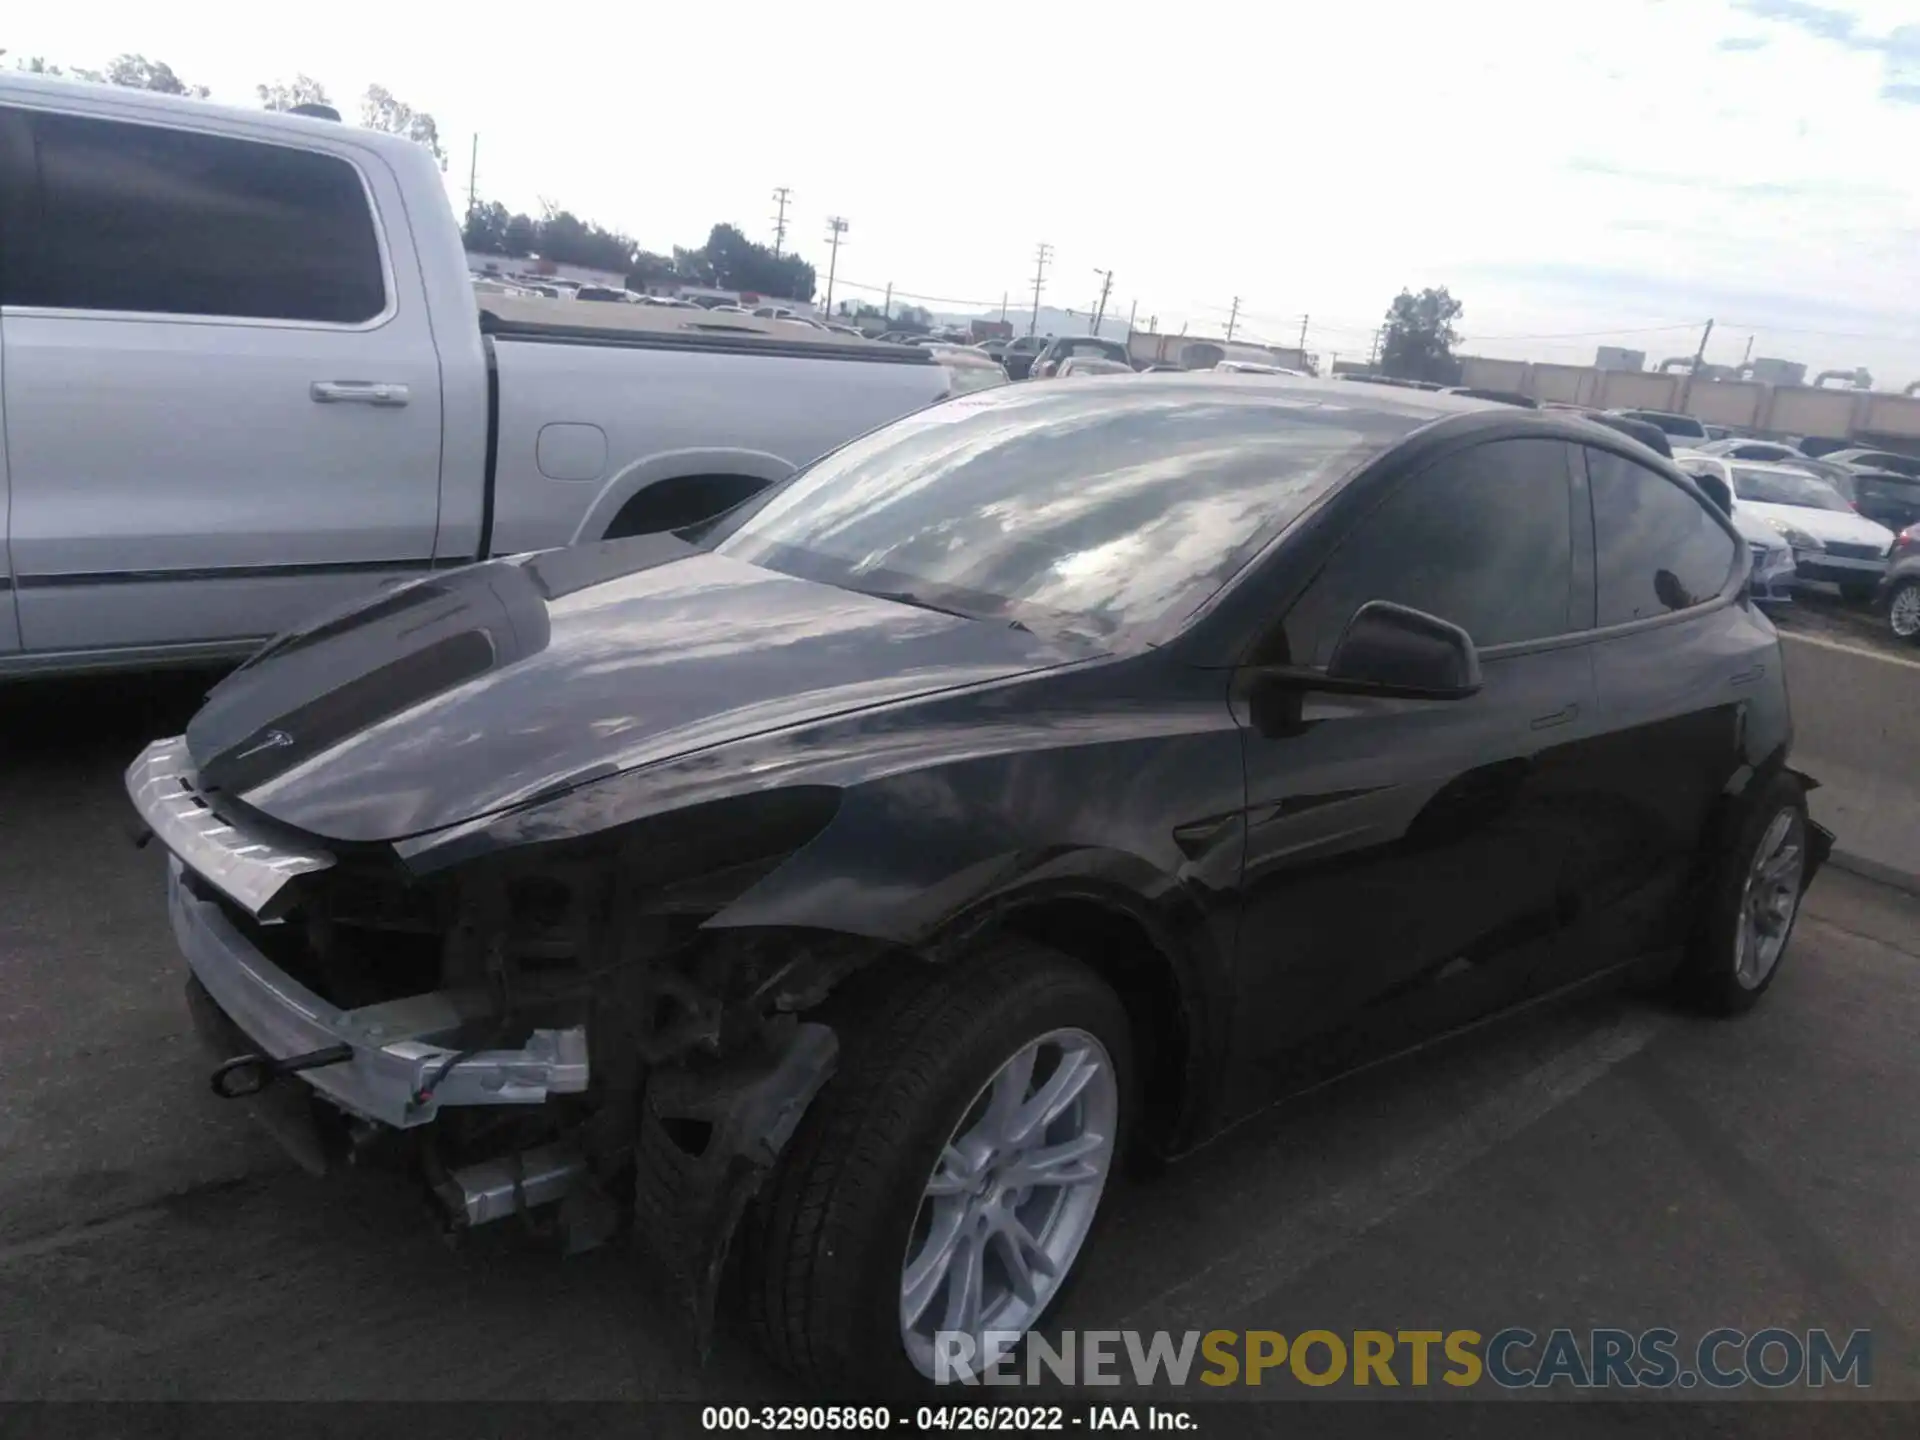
(249,1074)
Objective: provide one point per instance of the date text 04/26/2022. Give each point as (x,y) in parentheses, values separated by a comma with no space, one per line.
(811,1419)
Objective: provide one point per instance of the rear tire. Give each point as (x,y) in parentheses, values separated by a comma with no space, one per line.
(1752,902)
(827,1247)
(1903,611)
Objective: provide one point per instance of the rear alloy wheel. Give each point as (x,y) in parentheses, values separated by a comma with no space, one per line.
(1754,902)
(949,1175)
(1903,610)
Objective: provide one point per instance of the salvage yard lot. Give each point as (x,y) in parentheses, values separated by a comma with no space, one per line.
(1611,1164)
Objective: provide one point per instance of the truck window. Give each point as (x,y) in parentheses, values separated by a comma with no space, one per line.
(156,221)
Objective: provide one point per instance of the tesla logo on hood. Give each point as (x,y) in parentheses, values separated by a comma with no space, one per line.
(272,740)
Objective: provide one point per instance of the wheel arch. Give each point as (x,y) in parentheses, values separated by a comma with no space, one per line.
(672,477)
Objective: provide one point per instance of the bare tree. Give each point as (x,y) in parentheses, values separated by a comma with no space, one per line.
(380,111)
(285,94)
(136,72)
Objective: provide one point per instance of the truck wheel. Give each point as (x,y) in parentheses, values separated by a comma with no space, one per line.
(1903,610)
(1752,904)
(947,1177)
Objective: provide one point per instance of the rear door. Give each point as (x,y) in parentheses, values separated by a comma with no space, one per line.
(222,393)
(1676,669)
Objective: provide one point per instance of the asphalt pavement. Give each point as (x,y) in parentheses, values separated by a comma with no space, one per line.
(1616,1163)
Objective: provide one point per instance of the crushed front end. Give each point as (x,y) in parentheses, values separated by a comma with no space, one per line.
(550,1034)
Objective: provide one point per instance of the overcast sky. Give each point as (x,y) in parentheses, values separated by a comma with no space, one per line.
(1630,168)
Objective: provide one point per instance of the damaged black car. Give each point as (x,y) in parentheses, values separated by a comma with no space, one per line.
(824,900)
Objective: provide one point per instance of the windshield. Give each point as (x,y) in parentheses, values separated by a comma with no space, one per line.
(1778,487)
(1100,508)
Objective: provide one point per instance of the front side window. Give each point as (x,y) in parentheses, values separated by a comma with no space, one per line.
(142,219)
(1657,548)
(1094,508)
(1483,538)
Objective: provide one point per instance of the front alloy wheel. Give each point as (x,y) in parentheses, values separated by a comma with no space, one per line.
(937,1195)
(1770,898)
(1903,610)
(1010,1201)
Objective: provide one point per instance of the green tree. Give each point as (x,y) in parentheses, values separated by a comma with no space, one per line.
(485,230)
(379,110)
(285,94)
(731,261)
(650,270)
(1418,341)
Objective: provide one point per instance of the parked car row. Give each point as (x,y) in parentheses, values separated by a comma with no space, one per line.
(1832,536)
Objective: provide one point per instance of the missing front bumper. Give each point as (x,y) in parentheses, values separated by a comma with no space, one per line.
(406,1058)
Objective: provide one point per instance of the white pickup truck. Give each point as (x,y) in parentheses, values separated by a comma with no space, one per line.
(244,375)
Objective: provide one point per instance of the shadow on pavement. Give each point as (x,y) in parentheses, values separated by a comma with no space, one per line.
(97,717)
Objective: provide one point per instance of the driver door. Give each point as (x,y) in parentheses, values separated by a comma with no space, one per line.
(1404,858)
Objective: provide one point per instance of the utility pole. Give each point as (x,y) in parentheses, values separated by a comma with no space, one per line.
(1132,310)
(836,227)
(780,219)
(886,306)
(1373,350)
(473,177)
(1749,355)
(1041,256)
(1003,307)
(1700,355)
(1100,306)
(1303,338)
(1233,318)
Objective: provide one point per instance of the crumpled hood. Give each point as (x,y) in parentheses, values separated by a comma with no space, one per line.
(481,688)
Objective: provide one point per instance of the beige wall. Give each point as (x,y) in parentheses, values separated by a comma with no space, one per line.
(1785,409)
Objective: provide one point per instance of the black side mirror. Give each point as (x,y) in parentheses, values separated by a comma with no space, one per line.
(1716,490)
(1390,649)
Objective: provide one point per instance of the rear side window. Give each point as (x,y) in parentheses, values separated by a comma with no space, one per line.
(136,218)
(1483,538)
(1657,549)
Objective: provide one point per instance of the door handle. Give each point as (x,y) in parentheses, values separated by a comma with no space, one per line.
(1558,717)
(1747,677)
(357,392)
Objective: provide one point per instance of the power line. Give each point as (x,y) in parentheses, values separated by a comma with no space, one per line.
(780,195)
(1044,254)
(1100,307)
(1593,334)
(836,227)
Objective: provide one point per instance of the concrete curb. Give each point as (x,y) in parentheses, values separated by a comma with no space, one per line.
(1875,870)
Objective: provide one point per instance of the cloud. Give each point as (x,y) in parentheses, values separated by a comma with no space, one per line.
(1742,189)
(1819,20)
(1738,43)
(1900,46)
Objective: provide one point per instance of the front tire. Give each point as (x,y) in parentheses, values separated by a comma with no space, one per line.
(950,1173)
(1752,904)
(1903,611)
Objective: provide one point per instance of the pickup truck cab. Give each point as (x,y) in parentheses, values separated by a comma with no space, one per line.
(244,377)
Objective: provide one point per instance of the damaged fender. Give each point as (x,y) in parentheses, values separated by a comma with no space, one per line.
(708,1136)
